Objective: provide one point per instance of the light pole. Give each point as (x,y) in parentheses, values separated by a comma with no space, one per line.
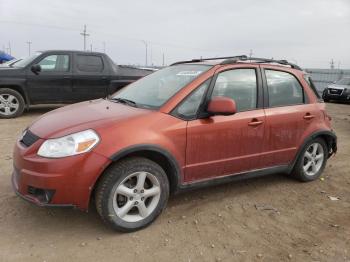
(29,43)
(84,34)
(146,46)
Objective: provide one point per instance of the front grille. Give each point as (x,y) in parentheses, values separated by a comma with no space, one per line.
(333,91)
(29,138)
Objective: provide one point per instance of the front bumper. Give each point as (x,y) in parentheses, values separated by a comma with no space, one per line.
(63,182)
(344,96)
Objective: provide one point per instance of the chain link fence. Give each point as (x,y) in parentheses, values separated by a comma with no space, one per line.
(324,77)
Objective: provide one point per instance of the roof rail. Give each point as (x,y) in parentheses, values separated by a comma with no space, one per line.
(238,57)
(263,60)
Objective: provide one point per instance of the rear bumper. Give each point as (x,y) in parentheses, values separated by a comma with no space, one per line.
(64,182)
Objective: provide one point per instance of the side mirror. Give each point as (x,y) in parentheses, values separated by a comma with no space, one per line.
(36,69)
(221,105)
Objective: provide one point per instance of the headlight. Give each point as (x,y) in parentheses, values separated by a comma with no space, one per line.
(70,145)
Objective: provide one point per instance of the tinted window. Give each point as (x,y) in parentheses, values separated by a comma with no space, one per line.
(284,88)
(58,63)
(189,107)
(240,85)
(89,63)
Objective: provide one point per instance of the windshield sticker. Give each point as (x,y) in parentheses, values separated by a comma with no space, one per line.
(189,73)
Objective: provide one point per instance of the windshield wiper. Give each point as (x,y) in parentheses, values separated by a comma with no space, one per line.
(124,101)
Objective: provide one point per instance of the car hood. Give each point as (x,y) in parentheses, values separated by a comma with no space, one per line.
(338,86)
(86,115)
(9,71)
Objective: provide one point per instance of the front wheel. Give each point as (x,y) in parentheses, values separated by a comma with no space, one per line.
(312,161)
(11,103)
(131,194)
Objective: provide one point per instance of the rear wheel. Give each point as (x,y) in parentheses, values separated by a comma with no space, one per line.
(11,103)
(131,194)
(312,160)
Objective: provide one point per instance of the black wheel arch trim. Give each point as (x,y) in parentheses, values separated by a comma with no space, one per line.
(176,176)
(331,142)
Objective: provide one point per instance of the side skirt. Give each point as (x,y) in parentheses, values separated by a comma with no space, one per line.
(234,177)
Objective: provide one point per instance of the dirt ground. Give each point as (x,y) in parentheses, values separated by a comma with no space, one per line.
(272,218)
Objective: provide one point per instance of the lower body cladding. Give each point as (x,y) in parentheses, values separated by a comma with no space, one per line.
(64,182)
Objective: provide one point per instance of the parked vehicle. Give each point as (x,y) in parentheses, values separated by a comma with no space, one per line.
(195,123)
(60,77)
(10,63)
(339,91)
(4,57)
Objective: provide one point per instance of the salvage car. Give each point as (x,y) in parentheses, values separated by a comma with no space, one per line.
(61,77)
(192,124)
(338,91)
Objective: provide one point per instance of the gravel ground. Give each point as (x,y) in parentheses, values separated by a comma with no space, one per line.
(272,218)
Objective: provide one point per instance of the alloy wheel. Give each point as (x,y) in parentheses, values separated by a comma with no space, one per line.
(313,159)
(9,104)
(136,197)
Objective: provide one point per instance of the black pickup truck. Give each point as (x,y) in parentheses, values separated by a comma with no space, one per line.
(61,77)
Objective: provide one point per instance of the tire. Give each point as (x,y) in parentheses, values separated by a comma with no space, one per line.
(11,103)
(116,193)
(301,171)
(326,100)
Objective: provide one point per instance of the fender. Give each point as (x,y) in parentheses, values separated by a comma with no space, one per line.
(331,142)
(175,177)
(16,84)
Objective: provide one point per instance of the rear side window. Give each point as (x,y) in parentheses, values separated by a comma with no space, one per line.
(89,63)
(283,88)
(240,85)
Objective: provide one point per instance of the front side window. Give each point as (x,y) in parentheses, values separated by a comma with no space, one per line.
(239,85)
(283,88)
(154,90)
(89,63)
(58,63)
(189,107)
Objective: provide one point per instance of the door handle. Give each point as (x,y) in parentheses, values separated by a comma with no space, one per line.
(308,116)
(255,122)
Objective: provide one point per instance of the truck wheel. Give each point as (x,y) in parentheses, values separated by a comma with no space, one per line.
(131,194)
(312,161)
(11,103)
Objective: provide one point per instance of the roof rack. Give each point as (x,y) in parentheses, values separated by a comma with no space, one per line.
(236,59)
(263,60)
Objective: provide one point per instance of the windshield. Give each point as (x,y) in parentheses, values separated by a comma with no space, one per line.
(26,61)
(343,81)
(155,89)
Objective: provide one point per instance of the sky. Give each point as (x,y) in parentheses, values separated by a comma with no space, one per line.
(308,32)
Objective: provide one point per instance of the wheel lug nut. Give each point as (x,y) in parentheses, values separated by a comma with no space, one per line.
(135,190)
(131,198)
(142,191)
(136,203)
(142,198)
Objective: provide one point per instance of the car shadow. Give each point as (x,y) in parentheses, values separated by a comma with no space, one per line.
(55,220)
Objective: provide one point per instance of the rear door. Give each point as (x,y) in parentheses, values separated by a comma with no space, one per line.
(91,77)
(54,80)
(288,116)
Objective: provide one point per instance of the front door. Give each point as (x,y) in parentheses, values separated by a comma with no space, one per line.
(54,80)
(225,145)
